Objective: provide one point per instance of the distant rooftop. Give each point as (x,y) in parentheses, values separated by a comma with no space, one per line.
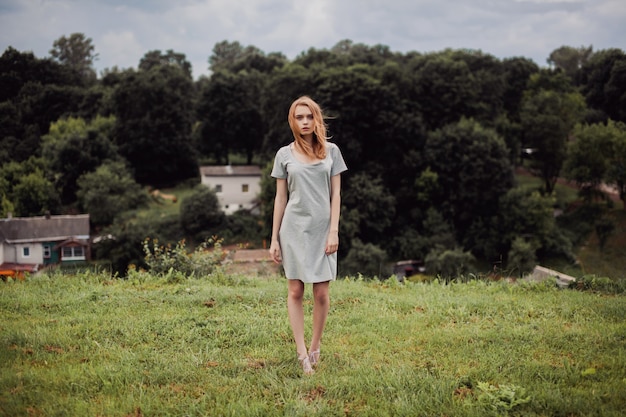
(14,229)
(230,171)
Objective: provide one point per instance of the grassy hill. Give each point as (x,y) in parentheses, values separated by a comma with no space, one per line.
(221,345)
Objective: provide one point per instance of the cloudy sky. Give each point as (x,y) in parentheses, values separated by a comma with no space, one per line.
(123,31)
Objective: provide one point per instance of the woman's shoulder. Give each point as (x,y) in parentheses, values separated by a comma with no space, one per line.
(331,146)
(283,150)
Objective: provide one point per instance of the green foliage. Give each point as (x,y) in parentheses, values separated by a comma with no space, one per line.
(109,191)
(154,113)
(521,259)
(604,229)
(244,227)
(34,195)
(155,59)
(501,398)
(230,112)
(570,59)
(375,206)
(449,263)
(200,213)
(174,263)
(418,131)
(77,52)
(473,171)
(364,258)
(550,110)
(74,147)
(599,284)
(603,83)
(597,155)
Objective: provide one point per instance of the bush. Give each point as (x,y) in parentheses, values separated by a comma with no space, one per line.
(521,257)
(449,264)
(366,259)
(174,261)
(200,213)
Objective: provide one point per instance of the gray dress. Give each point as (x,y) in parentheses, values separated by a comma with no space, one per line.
(306,222)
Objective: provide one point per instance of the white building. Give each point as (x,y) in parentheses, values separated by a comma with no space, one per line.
(237,186)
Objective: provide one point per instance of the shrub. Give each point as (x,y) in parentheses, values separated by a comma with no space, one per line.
(173,262)
(449,264)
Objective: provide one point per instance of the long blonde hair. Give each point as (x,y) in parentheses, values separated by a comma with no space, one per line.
(318,150)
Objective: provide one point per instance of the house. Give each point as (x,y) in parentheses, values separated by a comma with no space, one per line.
(29,243)
(236,186)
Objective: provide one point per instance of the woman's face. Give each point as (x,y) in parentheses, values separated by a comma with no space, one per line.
(304,120)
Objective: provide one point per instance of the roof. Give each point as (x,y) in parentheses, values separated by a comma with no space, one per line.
(44,228)
(13,267)
(230,171)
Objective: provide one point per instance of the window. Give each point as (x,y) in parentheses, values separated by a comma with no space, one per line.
(244,188)
(218,188)
(47,252)
(73,253)
(26,251)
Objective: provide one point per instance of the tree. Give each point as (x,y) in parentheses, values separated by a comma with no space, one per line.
(34,195)
(74,147)
(449,264)
(522,256)
(447,88)
(603,83)
(234,57)
(155,58)
(33,93)
(109,191)
(473,170)
(77,52)
(517,72)
(230,115)
(374,204)
(153,111)
(550,110)
(13,174)
(570,60)
(283,86)
(367,259)
(200,213)
(616,171)
(588,156)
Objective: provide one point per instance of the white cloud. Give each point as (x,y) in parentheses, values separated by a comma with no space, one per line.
(123,31)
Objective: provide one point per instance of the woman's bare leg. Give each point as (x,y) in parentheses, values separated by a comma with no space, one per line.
(321,305)
(296,314)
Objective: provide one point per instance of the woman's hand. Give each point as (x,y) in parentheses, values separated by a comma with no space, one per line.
(275,252)
(332,243)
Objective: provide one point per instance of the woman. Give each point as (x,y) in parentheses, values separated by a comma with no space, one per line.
(305,232)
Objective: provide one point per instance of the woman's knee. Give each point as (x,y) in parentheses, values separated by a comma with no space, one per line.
(321,294)
(295,290)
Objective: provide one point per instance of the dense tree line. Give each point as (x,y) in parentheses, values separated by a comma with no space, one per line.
(431,141)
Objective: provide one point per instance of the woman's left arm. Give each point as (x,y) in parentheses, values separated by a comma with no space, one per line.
(332,242)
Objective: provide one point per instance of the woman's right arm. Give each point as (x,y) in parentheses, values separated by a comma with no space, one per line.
(280,202)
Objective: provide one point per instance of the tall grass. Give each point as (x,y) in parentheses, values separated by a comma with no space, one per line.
(88,346)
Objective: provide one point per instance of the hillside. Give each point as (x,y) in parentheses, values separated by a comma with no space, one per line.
(221,345)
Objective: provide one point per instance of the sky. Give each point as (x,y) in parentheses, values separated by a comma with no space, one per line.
(122,32)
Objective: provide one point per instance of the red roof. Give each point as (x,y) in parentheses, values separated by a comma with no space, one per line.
(10,266)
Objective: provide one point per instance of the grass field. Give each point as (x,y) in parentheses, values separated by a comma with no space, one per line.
(88,346)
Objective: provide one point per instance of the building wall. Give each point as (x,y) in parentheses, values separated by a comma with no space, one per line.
(232,196)
(35,253)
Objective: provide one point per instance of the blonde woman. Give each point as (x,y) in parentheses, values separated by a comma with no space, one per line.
(305,231)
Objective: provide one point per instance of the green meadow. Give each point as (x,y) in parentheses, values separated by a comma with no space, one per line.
(86,345)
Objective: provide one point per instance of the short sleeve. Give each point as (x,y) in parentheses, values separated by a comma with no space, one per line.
(339,165)
(279,171)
